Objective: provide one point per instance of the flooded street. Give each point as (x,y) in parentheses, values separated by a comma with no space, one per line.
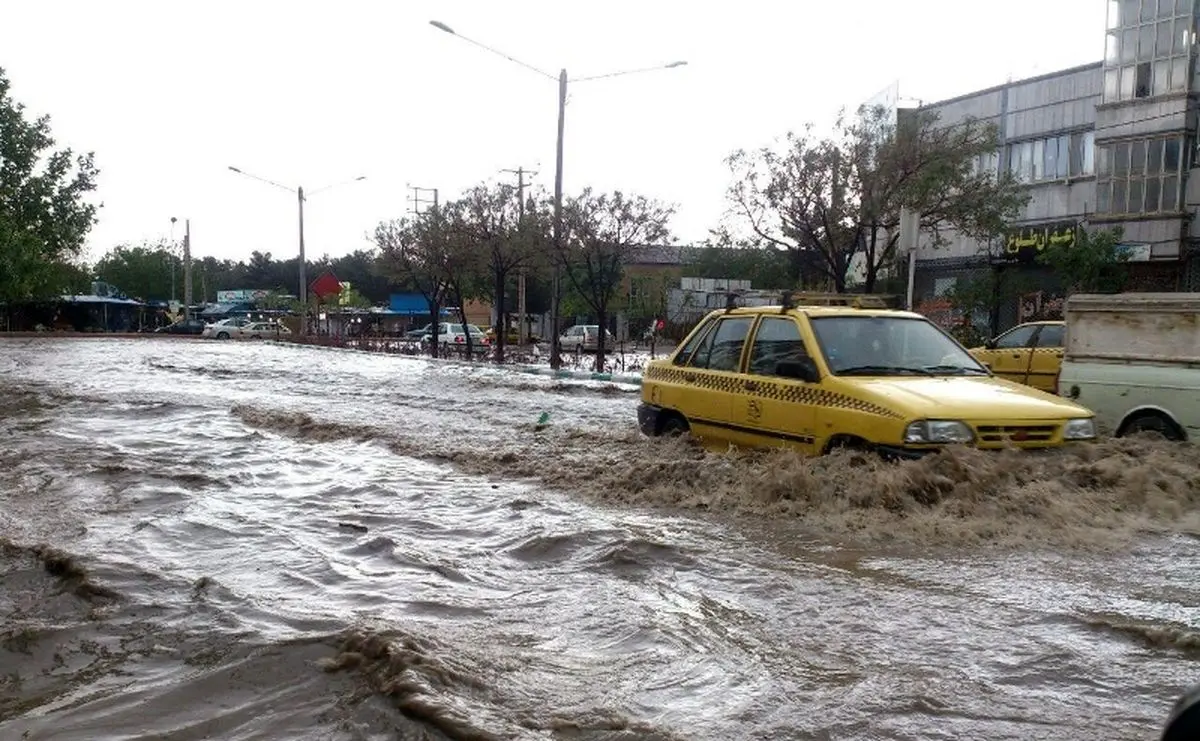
(246,541)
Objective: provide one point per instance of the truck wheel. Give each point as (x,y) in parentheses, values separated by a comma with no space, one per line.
(673,426)
(1154,422)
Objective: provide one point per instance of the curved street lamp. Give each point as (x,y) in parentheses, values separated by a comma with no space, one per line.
(555,350)
(300,198)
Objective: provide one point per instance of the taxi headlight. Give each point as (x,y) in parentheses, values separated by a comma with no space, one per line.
(1079,429)
(945,431)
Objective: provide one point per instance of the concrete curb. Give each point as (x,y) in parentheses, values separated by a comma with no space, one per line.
(633,379)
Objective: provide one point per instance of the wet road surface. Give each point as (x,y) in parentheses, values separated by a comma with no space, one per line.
(246,541)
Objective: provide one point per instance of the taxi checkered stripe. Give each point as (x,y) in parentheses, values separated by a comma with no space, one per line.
(766,389)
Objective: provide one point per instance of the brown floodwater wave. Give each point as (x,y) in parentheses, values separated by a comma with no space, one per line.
(1100,494)
(239,541)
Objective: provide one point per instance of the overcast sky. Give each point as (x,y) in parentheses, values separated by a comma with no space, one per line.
(170,94)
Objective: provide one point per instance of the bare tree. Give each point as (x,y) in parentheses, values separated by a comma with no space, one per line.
(827,201)
(409,253)
(492,218)
(601,233)
(460,261)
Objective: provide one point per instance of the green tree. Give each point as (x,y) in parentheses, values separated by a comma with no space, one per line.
(491,219)
(148,272)
(979,299)
(766,268)
(432,253)
(358,268)
(602,232)
(1094,263)
(834,202)
(44,217)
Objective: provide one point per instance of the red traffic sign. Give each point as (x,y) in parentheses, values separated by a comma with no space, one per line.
(326,285)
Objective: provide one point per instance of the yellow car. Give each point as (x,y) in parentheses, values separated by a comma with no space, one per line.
(814,378)
(1028,353)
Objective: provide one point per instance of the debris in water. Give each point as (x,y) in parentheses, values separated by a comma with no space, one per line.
(543,420)
(352,526)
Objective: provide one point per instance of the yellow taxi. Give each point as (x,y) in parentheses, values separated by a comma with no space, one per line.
(817,377)
(1029,353)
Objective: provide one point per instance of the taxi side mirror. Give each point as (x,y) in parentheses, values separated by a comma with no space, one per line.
(990,344)
(801,370)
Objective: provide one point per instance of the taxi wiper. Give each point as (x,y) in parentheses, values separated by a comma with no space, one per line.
(882,370)
(954,368)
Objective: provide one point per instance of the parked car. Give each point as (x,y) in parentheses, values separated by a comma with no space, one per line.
(225,328)
(513,336)
(1028,353)
(818,378)
(261,330)
(183,326)
(584,337)
(452,335)
(419,335)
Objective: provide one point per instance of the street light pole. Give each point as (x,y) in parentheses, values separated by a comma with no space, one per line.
(303,292)
(187,269)
(303,267)
(556,288)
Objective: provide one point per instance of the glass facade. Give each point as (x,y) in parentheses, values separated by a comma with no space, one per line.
(1148,48)
(1053,158)
(1140,176)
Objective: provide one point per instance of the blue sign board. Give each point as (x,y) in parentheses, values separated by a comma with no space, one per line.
(411,304)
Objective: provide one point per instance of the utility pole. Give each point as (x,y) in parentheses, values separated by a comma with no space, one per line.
(171,255)
(522,331)
(418,199)
(303,293)
(303,268)
(555,350)
(187,268)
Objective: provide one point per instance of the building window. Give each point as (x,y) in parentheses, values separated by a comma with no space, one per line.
(1147,48)
(1053,158)
(1139,176)
(986,164)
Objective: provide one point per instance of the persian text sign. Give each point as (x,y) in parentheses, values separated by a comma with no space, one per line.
(1024,244)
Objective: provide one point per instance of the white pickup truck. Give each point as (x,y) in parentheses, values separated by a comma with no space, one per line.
(1134,360)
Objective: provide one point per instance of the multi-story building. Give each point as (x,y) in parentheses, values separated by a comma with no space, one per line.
(1100,145)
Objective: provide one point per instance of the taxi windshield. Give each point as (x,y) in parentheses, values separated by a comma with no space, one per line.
(890,346)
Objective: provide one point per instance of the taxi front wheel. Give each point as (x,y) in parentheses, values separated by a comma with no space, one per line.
(673,426)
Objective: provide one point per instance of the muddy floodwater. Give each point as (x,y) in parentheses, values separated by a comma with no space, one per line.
(203,540)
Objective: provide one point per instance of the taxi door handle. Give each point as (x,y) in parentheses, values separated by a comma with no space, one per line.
(750,386)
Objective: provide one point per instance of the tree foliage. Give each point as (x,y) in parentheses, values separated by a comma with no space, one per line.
(505,231)
(601,233)
(411,252)
(766,268)
(44,211)
(834,202)
(153,271)
(1094,263)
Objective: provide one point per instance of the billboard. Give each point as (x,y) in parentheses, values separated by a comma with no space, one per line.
(242,294)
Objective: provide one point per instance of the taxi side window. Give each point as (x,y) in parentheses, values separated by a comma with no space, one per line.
(681,358)
(1051,336)
(1018,337)
(777,339)
(722,348)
